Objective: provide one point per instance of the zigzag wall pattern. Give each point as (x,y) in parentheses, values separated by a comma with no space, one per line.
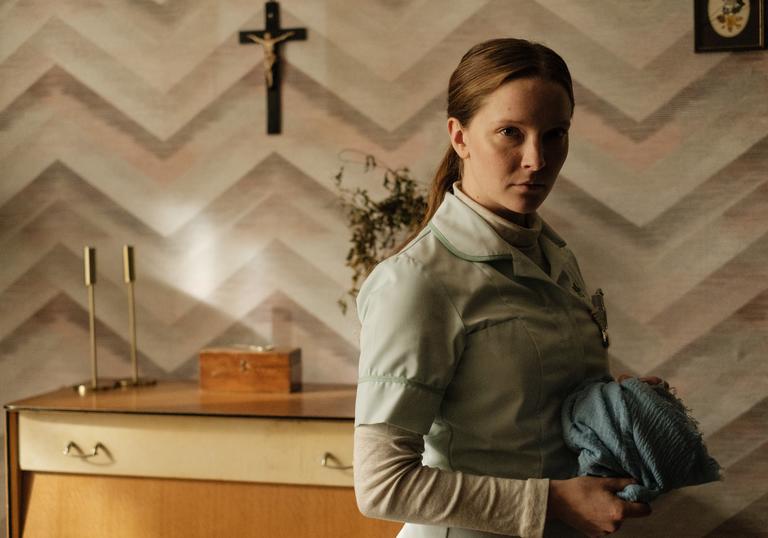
(143,123)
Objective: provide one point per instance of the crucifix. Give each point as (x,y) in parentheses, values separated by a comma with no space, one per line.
(270,40)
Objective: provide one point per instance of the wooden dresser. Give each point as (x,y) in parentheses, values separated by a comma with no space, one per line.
(174,461)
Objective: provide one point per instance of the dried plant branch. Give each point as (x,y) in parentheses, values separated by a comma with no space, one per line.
(378,225)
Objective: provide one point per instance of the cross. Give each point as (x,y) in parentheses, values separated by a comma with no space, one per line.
(270,40)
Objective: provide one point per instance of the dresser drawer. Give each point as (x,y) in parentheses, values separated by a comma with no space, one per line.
(287,451)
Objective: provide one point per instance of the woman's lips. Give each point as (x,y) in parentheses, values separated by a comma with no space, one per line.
(532,187)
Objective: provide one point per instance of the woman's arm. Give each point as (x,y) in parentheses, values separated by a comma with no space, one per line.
(392,483)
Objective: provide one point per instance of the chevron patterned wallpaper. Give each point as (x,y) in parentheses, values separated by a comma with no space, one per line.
(143,122)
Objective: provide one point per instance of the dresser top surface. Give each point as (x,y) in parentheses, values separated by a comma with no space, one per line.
(186,398)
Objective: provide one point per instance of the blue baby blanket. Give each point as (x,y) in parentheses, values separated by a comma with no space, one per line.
(633,429)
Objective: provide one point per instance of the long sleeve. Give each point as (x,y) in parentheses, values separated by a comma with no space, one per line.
(391,483)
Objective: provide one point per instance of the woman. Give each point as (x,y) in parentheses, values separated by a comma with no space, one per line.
(475,331)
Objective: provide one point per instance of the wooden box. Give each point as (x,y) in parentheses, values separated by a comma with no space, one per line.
(245,370)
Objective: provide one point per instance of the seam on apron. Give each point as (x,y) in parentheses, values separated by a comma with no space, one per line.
(399,381)
(539,399)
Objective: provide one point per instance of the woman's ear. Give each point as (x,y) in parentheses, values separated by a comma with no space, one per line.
(458,135)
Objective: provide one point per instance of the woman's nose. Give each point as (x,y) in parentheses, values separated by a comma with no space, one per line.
(533,155)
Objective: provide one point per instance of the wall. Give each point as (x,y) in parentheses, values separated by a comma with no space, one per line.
(144,123)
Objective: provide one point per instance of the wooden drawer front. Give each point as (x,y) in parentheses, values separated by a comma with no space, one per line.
(287,451)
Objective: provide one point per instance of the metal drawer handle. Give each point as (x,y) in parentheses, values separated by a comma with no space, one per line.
(328,456)
(94,451)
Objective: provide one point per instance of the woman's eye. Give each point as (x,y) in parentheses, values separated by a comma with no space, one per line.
(510,131)
(559,133)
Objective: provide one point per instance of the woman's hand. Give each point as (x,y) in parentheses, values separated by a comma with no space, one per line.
(590,504)
(651,380)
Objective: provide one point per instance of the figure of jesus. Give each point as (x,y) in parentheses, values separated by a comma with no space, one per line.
(268,42)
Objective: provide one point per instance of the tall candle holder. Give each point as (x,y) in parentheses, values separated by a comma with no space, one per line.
(89,262)
(129,276)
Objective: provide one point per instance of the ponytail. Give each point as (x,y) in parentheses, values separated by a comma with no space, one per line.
(447,172)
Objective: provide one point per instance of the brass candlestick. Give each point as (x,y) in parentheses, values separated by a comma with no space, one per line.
(89,262)
(129,276)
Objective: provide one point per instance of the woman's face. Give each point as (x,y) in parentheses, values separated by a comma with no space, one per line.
(514,147)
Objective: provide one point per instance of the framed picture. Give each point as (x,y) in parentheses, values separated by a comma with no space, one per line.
(729,25)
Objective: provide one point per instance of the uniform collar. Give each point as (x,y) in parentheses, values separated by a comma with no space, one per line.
(469,236)
(522,237)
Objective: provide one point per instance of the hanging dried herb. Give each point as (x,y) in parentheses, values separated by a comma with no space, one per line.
(377,226)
